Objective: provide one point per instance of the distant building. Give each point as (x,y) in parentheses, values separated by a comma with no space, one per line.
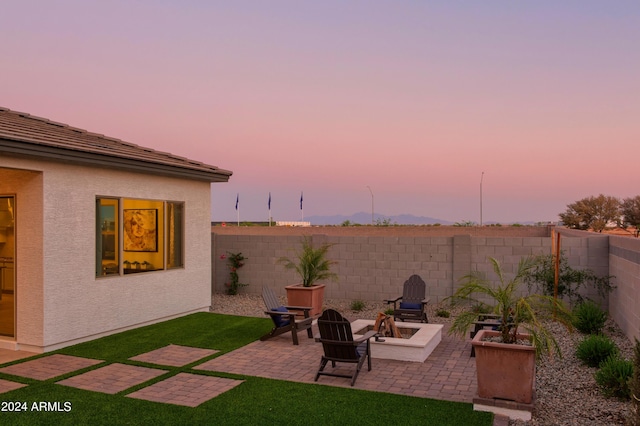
(292,223)
(98,235)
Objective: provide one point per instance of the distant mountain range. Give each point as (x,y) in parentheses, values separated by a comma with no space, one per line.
(363,218)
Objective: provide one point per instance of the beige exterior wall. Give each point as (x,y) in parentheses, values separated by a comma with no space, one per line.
(60,301)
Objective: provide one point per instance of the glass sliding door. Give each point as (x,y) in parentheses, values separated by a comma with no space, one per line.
(7,266)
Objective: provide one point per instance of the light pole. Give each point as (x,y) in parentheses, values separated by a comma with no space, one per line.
(481,176)
(371,203)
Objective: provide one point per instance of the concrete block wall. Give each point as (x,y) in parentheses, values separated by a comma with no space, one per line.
(371,268)
(587,250)
(624,302)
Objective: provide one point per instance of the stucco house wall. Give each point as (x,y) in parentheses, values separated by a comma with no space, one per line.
(59,299)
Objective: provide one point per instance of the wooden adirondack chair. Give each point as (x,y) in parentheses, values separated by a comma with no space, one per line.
(339,345)
(413,305)
(285,318)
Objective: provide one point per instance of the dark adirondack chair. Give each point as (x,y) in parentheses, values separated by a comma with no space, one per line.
(413,305)
(285,318)
(339,345)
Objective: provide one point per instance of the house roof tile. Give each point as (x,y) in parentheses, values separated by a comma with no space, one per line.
(24,134)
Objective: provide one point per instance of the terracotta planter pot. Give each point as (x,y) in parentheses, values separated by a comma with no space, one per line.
(313,296)
(505,371)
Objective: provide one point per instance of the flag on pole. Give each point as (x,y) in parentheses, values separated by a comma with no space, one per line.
(238,211)
(300,200)
(269,203)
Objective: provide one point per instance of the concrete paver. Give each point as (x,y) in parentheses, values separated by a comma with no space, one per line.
(8,386)
(174,355)
(49,367)
(186,389)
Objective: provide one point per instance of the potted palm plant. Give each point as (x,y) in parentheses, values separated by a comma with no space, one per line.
(506,356)
(312,266)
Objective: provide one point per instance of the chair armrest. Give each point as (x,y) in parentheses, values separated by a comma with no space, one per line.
(280,313)
(426,301)
(368,335)
(304,309)
(298,308)
(389,301)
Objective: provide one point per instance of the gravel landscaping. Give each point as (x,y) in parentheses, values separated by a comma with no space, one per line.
(566,390)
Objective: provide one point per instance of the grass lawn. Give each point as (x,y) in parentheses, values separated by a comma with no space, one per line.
(256,401)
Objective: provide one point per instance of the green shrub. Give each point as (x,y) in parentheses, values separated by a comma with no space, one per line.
(634,387)
(443,313)
(595,348)
(481,308)
(357,305)
(589,318)
(613,377)
(388,311)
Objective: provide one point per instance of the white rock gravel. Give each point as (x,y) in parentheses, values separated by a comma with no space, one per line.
(566,391)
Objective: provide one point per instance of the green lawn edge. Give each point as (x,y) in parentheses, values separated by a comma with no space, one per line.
(255,401)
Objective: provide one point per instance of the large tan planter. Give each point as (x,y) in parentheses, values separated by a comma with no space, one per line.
(313,296)
(504,371)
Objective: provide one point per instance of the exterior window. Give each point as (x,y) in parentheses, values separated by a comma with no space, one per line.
(107,259)
(134,236)
(175,235)
(143,236)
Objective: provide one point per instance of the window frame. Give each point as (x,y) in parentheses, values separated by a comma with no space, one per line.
(163,231)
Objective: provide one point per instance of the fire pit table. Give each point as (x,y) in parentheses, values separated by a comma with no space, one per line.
(417,343)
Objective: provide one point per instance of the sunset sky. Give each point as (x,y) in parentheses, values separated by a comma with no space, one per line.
(415,99)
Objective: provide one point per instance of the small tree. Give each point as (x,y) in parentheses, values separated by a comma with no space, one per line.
(630,214)
(516,312)
(235,261)
(311,263)
(592,212)
(570,280)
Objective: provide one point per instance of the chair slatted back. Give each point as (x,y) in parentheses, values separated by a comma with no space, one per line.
(336,336)
(270,299)
(414,289)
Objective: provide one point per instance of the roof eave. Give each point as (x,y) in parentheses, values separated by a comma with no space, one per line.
(20,148)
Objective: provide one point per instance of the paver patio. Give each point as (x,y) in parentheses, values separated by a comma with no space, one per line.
(448,374)
(49,367)
(112,378)
(186,389)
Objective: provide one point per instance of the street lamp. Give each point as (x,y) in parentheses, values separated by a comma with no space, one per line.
(481,176)
(371,203)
